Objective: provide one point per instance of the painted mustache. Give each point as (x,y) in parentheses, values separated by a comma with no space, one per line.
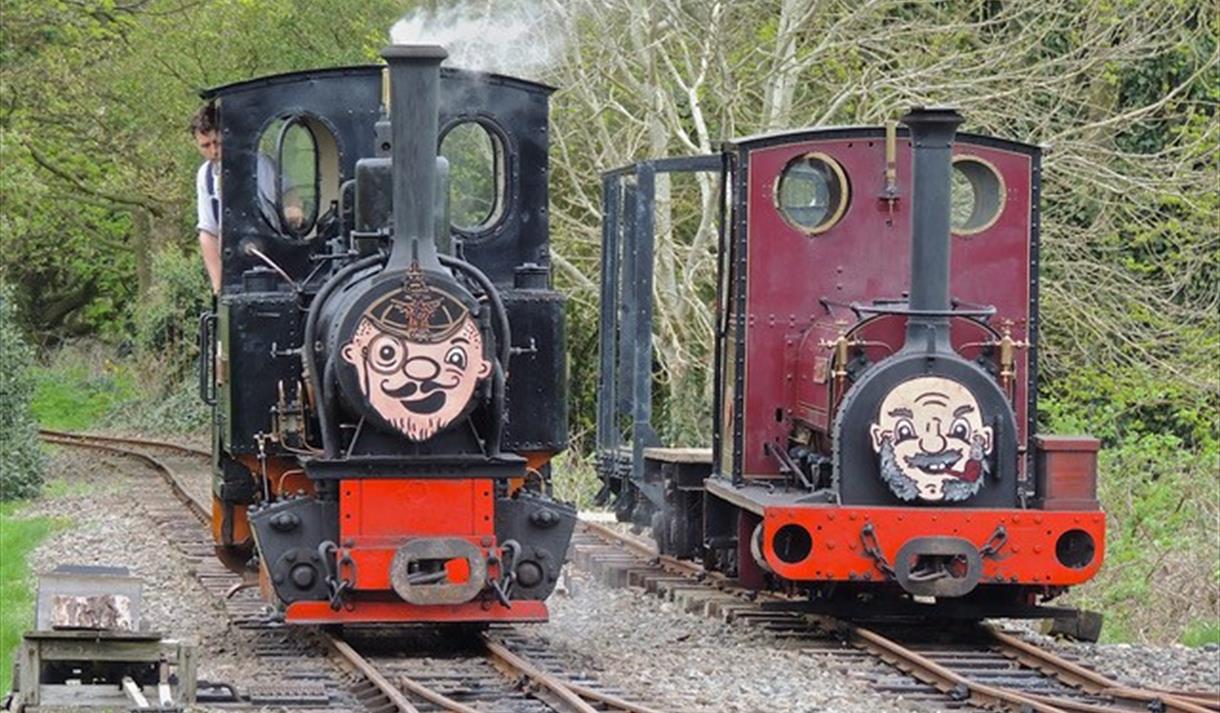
(433,396)
(933,462)
(426,405)
(409,389)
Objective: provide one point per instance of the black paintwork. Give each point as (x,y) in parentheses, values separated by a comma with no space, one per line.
(280,291)
(258,330)
(854,454)
(624,390)
(288,534)
(347,100)
(927,351)
(542,528)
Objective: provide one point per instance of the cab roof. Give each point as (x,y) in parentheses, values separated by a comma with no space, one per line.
(364,70)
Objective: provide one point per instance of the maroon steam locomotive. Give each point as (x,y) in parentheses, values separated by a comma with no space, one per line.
(874,439)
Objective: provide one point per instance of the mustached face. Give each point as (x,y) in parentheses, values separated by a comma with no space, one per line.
(419,388)
(932,440)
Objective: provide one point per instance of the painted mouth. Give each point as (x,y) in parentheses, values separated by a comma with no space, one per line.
(934,463)
(429,404)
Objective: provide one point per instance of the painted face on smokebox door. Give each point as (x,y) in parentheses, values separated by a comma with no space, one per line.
(418,387)
(932,440)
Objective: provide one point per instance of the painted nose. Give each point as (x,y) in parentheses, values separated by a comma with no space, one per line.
(932,441)
(421,368)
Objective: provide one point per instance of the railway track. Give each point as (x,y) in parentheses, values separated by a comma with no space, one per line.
(966,667)
(497,671)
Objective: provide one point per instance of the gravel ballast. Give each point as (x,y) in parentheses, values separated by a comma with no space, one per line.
(105,525)
(625,638)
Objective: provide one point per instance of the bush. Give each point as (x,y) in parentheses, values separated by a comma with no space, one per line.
(1161,579)
(170,410)
(166,322)
(22,461)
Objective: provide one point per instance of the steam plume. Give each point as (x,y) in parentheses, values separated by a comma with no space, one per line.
(519,37)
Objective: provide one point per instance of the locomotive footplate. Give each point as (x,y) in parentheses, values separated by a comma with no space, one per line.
(928,551)
(391,609)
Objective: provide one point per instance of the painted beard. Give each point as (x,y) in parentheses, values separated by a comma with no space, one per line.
(904,487)
(416,408)
(907,488)
(417,428)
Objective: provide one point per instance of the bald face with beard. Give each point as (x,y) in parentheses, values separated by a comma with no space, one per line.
(932,441)
(418,387)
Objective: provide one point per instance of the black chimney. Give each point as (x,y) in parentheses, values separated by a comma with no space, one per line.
(932,131)
(414,82)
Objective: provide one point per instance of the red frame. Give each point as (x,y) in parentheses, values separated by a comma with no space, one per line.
(374,611)
(377,516)
(1028,556)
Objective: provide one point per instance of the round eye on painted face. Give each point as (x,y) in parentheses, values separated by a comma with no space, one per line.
(960,430)
(456,357)
(386,354)
(904,431)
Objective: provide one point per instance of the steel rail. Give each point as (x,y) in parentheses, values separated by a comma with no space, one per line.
(370,673)
(614,702)
(1078,676)
(957,685)
(647,551)
(131,440)
(944,679)
(547,681)
(573,695)
(431,696)
(115,445)
(516,667)
(109,445)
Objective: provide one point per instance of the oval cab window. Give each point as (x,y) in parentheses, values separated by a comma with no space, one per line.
(976,195)
(288,176)
(476,176)
(812,193)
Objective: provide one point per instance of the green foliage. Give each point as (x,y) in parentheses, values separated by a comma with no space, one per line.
(95,158)
(1202,633)
(166,321)
(97,217)
(1157,484)
(88,386)
(574,479)
(78,386)
(18,536)
(22,461)
(170,409)
(474,158)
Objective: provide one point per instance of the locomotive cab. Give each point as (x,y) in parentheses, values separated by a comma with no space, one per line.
(873,438)
(382,441)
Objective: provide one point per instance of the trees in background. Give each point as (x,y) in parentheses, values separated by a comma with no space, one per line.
(21,459)
(98,165)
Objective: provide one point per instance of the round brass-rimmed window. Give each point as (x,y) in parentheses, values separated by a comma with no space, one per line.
(812,193)
(976,195)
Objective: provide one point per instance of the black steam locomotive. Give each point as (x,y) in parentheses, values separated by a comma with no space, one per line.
(386,359)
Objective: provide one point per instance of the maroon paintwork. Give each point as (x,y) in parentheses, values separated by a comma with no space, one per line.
(863,257)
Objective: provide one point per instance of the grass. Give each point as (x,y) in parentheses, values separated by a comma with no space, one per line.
(84,386)
(74,396)
(18,536)
(1201,633)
